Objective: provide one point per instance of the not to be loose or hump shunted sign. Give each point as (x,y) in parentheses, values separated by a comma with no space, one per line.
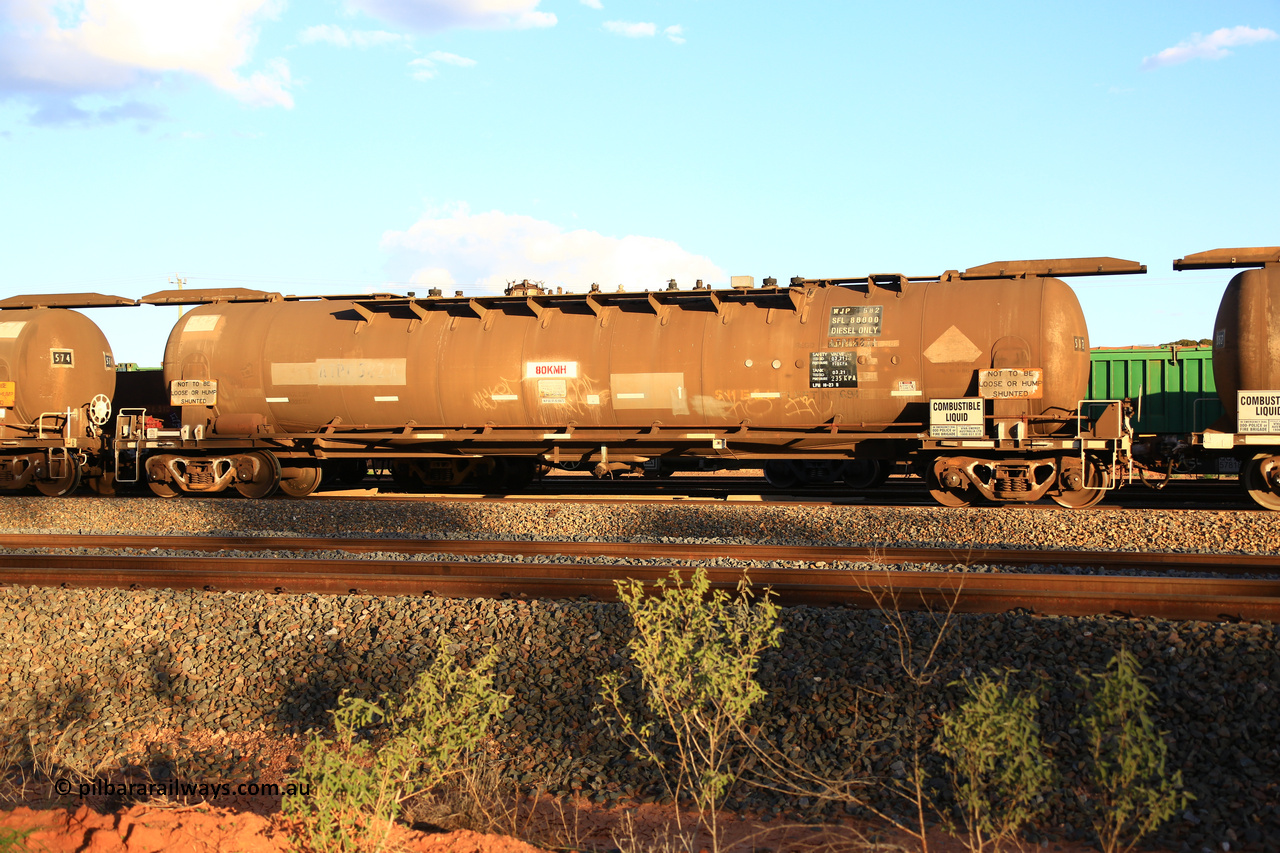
(1009,383)
(960,417)
(193,392)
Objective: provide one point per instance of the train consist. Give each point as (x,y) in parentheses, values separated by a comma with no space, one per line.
(978,378)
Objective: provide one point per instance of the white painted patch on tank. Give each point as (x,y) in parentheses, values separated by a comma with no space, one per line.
(952,347)
(340,371)
(649,391)
(201,323)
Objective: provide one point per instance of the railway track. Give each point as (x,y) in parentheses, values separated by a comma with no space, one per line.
(1235,564)
(1213,599)
(897,491)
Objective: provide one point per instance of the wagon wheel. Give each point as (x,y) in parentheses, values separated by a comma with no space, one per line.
(781,474)
(1262,480)
(265,477)
(164,490)
(865,473)
(1096,481)
(103,484)
(300,481)
(954,496)
(346,472)
(407,475)
(64,485)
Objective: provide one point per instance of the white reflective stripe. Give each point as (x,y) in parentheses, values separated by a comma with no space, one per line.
(700,435)
(428,435)
(277,399)
(556,435)
(632,396)
(503,397)
(386,399)
(765,395)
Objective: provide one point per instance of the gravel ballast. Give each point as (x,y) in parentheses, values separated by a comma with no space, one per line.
(85,668)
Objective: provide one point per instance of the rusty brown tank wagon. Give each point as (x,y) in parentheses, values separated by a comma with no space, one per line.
(1246,368)
(57,377)
(976,376)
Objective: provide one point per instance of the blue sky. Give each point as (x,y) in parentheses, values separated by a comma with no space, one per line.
(365,145)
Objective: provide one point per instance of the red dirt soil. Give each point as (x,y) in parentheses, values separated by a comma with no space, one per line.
(200,828)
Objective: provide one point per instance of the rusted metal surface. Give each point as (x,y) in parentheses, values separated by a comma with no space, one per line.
(64,300)
(1047,594)
(1220,259)
(1058,268)
(862,356)
(57,359)
(1246,355)
(1172,561)
(1246,369)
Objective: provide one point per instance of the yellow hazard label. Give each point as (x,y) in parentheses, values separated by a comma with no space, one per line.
(8,394)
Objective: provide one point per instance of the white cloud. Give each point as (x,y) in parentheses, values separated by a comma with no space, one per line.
(355,38)
(594,4)
(451,59)
(435,15)
(426,65)
(630,29)
(110,46)
(1212,46)
(490,249)
(675,33)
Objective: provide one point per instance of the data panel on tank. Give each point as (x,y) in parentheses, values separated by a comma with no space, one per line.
(1258,412)
(855,321)
(833,370)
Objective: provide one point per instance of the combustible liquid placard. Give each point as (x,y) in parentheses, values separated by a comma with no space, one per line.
(1258,411)
(956,418)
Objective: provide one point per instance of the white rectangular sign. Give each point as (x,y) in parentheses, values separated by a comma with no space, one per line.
(1258,411)
(1011,382)
(551,370)
(961,417)
(193,392)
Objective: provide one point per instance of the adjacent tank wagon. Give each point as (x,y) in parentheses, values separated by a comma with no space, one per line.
(57,377)
(1246,368)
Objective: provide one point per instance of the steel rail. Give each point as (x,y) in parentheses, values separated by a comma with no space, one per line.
(1059,595)
(1176,561)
